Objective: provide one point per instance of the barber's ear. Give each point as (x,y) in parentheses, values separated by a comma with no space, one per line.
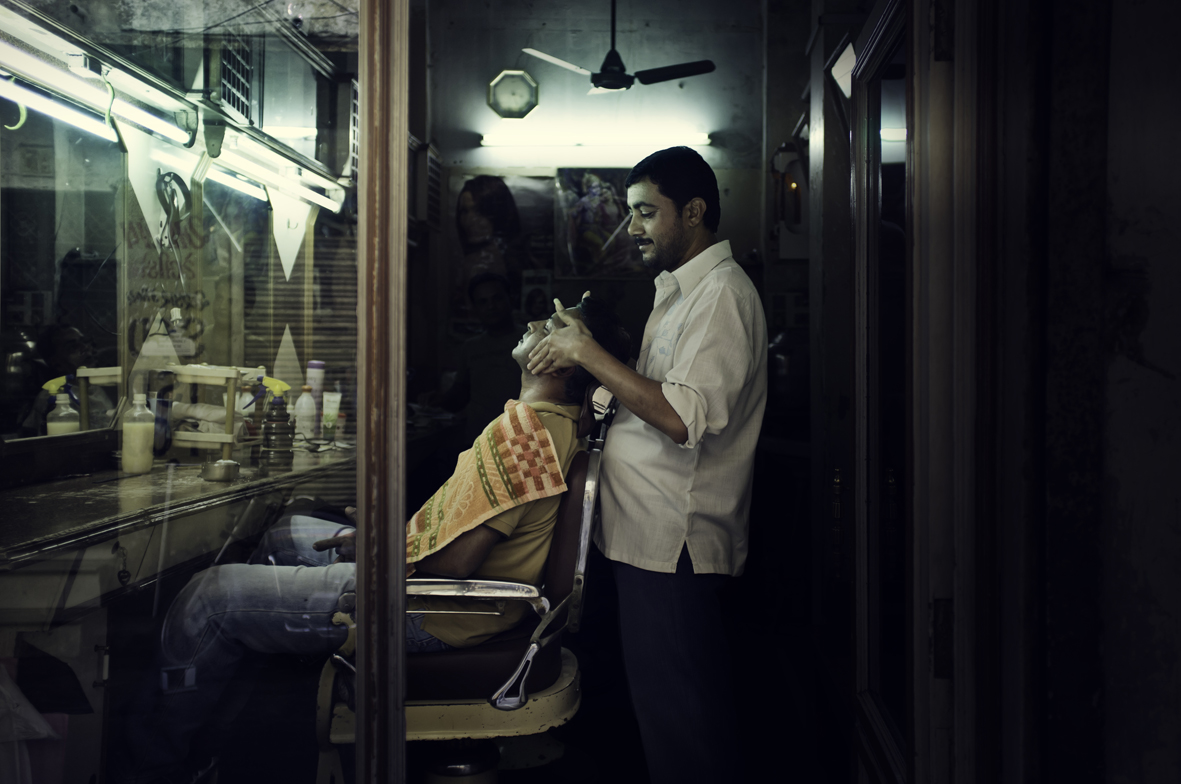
(694,212)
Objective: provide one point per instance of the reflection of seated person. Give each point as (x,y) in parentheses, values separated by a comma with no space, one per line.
(487,374)
(61,350)
(277,604)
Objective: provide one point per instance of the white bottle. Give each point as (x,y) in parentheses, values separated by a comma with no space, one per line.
(305,414)
(63,419)
(139,431)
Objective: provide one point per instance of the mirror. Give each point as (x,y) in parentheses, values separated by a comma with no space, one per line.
(59,260)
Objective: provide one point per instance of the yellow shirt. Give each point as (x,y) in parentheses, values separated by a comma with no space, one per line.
(520,557)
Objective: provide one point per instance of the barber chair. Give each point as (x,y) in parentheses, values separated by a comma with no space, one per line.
(520,682)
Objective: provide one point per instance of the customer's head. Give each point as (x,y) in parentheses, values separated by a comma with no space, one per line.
(608,332)
(604,327)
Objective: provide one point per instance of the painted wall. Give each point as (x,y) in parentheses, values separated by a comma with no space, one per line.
(472,41)
(1141,528)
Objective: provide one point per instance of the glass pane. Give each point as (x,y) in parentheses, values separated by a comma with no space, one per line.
(177,261)
(891,337)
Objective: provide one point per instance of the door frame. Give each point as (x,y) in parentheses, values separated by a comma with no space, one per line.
(384,27)
(882,754)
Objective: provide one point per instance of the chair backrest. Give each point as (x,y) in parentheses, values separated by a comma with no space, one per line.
(563,552)
(566,567)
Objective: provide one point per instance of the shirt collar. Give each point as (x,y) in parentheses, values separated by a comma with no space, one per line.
(689,274)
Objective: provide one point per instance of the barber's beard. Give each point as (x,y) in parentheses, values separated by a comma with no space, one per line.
(670,250)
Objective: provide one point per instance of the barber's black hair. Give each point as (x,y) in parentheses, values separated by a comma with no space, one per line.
(681,174)
(487,277)
(609,333)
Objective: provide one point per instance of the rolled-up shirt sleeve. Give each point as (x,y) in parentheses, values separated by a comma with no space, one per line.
(714,359)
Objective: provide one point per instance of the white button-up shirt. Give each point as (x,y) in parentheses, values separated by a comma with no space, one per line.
(706,342)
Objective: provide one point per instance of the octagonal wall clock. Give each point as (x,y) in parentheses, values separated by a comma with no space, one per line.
(512,94)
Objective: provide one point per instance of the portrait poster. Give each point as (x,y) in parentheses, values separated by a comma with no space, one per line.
(591,218)
(500,225)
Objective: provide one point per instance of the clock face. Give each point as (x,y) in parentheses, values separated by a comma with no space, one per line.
(512,94)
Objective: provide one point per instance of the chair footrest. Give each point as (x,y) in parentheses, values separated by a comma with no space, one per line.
(448,719)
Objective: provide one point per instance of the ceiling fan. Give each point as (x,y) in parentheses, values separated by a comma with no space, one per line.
(614,76)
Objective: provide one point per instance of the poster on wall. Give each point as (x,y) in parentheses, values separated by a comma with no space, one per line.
(504,225)
(591,218)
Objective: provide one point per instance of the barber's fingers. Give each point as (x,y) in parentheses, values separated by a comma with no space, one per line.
(565,317)
(540,359)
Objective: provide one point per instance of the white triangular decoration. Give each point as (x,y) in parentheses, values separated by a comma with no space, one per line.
(146,157)
(156,353)
(287,366)
(289,224)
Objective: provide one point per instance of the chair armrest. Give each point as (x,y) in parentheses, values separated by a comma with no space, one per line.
(478,589)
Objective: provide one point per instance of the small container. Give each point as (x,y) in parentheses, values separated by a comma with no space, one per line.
(305,414)
(139,433)
(278,434)
(315,379)
(331,409)
(63,419)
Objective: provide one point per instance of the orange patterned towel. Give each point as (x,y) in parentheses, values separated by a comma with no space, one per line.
(511,463)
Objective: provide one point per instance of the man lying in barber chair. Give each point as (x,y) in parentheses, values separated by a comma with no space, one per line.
(493,519)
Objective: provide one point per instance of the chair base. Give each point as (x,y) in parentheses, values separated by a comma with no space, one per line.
(552,707)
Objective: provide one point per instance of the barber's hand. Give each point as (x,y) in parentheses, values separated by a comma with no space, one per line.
(560,349)
(345,544)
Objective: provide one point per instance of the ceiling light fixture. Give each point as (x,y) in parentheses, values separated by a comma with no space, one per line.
(513,135)
(257,171)
(41,72)
(56,109)
(237,183)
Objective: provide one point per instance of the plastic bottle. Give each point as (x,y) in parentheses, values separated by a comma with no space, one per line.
(63,419)
(139,430)
(305,414)
(316,382)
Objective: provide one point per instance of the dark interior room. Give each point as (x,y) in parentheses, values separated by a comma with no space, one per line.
(842,392)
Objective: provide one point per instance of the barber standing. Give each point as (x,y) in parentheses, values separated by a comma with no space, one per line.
(677,468)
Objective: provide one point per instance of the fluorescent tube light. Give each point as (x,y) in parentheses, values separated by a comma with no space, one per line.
(237,183)
(893,134)
(232,160)
(57,109)
(541,136)
(37,70)
(289,132)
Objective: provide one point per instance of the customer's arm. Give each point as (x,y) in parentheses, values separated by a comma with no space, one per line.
(457,560)
(463,556)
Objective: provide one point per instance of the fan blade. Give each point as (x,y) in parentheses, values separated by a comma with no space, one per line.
(549,58)
(668,72)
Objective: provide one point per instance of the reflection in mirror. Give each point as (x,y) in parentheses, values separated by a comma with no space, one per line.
(58,267)
(178,232)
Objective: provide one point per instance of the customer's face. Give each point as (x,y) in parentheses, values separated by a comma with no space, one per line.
(657,227)
(536,332)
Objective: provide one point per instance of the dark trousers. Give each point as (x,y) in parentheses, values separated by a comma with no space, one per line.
(677,657)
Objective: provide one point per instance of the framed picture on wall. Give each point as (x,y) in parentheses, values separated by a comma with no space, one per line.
(590,226)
